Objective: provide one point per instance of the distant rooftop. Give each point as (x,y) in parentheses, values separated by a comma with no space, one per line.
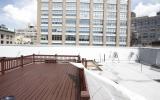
(5,29)
(158,13)
(133,14)
(2,26)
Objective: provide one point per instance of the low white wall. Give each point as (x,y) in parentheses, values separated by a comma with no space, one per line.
(97,53)
(147,55)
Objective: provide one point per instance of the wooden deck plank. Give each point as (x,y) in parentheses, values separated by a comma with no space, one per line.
(69,83)
(41,82)
(66,84)
(60,87)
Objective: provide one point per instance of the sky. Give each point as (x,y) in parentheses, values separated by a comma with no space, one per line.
(19,13)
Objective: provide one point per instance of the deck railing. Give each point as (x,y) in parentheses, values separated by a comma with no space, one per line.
(58,58)
(83,85)
(7,64)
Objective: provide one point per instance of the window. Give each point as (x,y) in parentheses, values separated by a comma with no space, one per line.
(44,19)
(57,13)
(145,35)
(97,22)
(111,22)
(71,6)
(2,36)
(44,12)
(111,33)
(84,6)
(57,29)
(111,38)
(44,30)
(97,38)
(84,21)
(112,7)
(70,37)
(71,21)
(44,22)
(123,15)
(123,23)
(7,36)
(57,6)
(123,7)
(98,14)
(97,30)
(56,37)
(111,15)
(7,42)
(122,39)
(2,42)
(56,21)
(83,38)
(123,30)
(44,37)
(84,30)
(111,30)
(98,6)
(70,29)
(111,45)
(84,14)
(71,13)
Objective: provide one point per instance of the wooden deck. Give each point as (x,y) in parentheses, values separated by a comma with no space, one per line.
(44,81)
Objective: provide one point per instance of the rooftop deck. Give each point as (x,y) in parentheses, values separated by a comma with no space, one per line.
(41,80)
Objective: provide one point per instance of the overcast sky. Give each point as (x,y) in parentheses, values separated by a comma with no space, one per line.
(18,13)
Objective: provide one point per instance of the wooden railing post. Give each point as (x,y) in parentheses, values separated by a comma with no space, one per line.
(33,58)
(79,59)
(3,65)
(83,87)
(22,61)
(81,75)
(85,64)
(56,56)
(82,60)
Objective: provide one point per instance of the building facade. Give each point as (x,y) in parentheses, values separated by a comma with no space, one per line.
(6,36)
(84,22)
(26,36)
(145,30)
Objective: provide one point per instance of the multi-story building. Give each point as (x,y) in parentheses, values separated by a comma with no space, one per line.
(84,22)
(133,14)
(6,36)
(146,30)
(26,36)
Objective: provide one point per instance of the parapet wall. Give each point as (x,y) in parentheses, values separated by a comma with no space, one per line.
(101,54)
